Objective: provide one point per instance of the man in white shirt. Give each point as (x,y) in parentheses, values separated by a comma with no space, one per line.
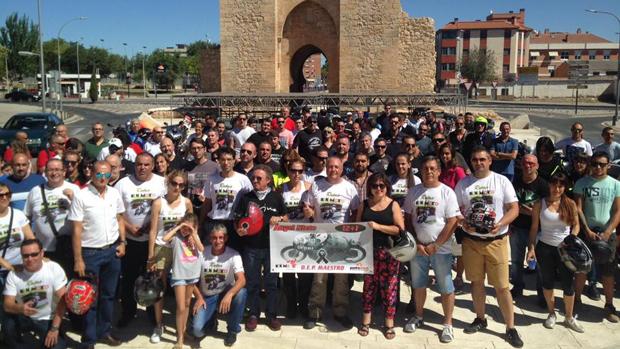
(330,200)
(222,287)
(137,192)
(489,204)
(49,216)
(575,143)
(431,213)
(221,193)
(199,171)
(98,244)
(241,132)
(33,299)
(152,146)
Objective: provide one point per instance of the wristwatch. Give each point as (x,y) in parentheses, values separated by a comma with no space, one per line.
(54,328)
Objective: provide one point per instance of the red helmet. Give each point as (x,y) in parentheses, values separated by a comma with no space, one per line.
(253,220)
(80,296)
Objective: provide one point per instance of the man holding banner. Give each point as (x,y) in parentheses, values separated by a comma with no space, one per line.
(331,200)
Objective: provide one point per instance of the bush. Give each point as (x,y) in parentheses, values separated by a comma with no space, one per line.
(93,91)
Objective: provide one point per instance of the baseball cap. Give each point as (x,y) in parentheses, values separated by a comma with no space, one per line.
(114,144)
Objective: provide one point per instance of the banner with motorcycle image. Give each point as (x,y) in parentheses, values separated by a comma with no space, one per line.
(321,248)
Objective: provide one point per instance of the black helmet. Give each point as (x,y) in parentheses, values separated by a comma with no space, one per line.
(602,251)
(575,254)
(404,248)
(148,289)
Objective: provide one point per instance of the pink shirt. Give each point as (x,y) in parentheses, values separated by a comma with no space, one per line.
(451,176)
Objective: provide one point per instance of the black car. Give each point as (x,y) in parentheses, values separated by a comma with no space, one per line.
(21,96)
(38,126)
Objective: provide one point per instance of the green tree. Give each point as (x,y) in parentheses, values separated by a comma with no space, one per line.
(20,34)
(478,66)
(93,91)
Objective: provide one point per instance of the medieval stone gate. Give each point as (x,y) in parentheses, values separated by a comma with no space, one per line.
(371,46)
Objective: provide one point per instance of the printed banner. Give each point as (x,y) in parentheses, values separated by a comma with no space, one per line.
(321,248)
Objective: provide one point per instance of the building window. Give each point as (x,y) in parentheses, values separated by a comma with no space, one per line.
(447,66)
(507,33)
(483,34)
(506,52)
(448,50)
(564,55)
(577,54)
(466,34)
(592,56)
(449,34)
(606,55)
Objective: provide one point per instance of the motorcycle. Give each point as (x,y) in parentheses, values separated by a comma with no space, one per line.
(324,247)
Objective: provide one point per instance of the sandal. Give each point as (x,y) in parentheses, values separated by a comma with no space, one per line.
(389,333)
(363,330)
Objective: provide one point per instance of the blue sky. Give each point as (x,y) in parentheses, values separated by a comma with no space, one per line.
(158,23)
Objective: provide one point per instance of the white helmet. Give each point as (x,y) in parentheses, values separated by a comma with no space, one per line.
(404,248)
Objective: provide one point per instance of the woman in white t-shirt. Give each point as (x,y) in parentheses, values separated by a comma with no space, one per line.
(557,217)
(403,179)
(166,212)
(297,290)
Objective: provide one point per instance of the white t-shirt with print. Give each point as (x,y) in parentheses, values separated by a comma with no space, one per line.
(138,198)
(332,203)
(492,192)
(58,204)
(223,193)
(218,272)
(15,237)
(38,287)
(429,209)
(570,147)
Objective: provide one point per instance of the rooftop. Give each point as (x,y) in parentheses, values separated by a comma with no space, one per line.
(579,37)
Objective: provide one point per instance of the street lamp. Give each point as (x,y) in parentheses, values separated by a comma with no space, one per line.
(143,72)
(615,119)
(58,48)
(42,66)
(79,83)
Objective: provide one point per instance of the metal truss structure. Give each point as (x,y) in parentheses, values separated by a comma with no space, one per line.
(229,104)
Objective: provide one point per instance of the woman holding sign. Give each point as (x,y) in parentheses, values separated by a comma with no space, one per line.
(385,217)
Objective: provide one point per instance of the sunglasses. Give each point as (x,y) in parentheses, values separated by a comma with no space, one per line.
(409,145)
(381,146)
(295,170)
(69,162)
(378,186)
(5,195)
(322,158)
(256,178)
(177,184)
(102,175)
(598,164)
(245,151)
(280,122)
(30,255)
(242,119)
(577,130)
(439,140)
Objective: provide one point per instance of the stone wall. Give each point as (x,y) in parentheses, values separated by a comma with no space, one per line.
(417,54)
(210,70)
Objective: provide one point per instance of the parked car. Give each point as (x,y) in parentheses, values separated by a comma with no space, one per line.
(39,127)
(21,96)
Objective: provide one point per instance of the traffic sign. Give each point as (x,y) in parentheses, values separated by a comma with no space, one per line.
(467,85)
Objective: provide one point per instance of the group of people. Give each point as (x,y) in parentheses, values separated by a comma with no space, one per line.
(475,202)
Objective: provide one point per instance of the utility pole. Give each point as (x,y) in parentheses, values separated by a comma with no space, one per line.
(143,72)
(79,83)
(43,77)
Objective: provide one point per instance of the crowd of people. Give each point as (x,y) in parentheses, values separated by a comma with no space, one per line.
(476,202)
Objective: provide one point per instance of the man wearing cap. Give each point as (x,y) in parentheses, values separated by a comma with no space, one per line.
(308,138)
(479,137)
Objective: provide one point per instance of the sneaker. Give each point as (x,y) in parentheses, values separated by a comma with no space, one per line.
(550,322)
(592,292)
(251,323)
(344,321)
(574,325)
(513,338)
(611,315)
(274,324)
(413,324)
(156,336)
(447,334)
(309,323)
(477,325)
(230,339)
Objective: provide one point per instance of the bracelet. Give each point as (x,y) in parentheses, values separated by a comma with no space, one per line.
(54,328)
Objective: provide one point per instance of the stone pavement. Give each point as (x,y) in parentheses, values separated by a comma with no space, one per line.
(528,316)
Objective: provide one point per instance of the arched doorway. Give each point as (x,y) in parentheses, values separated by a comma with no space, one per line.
(308,29)
(306,67)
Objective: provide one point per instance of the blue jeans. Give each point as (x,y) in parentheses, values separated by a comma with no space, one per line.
(15,324)
(442,265)
(212,303)
(107,268)
(256,261)
(519,239)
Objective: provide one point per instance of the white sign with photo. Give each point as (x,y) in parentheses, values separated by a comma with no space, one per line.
(321,248)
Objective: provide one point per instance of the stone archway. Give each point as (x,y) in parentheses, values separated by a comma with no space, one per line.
(308,29)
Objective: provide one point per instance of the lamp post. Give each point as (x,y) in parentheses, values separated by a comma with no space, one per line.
(42,66)
(58,49)
(79,83)
(615,118)
(143,72)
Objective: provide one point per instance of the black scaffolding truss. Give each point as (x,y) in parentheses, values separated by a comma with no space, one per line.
(229,104)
